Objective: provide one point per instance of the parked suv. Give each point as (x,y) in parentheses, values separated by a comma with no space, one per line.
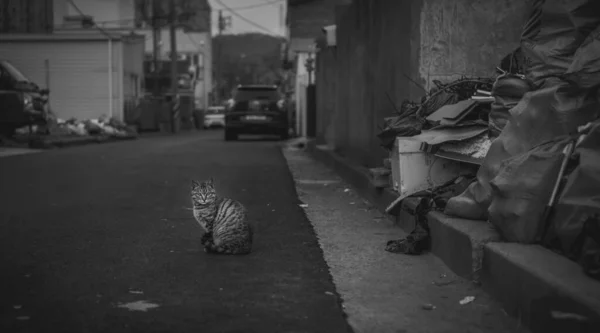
(22,100)
(256,109)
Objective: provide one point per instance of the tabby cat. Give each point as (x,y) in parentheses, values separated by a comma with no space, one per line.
(223,220)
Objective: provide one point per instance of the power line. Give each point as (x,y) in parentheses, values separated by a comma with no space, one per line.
(84,15)
(269,3)
(195,42)
(233,12)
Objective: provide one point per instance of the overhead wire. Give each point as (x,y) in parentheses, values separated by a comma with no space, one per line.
(94,23)
(264,4)
(241,17)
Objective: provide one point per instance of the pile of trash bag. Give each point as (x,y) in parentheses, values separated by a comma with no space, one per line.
(411,119)
(106,126)
(520,187)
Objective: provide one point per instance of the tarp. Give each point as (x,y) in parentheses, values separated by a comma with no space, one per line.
(575,222)
(508,90)
(561,43)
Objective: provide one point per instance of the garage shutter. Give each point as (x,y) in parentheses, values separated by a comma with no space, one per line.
(78,73)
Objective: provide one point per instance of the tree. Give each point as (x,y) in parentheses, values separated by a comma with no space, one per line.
(250,58)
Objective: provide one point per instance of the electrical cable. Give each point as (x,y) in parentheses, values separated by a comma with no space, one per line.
(269,3)
(233,12)
(94,23)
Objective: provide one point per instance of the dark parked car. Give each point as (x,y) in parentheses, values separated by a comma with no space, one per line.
(22,101)
(256,109)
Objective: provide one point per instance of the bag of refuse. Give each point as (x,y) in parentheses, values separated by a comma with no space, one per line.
(558,105)
(117,124)
(107,129)
(540,117)
(92,127)
(522,189)
(514,62)
(553,34)
(507,92)
(574,225)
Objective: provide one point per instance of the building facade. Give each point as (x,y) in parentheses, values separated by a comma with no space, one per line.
(89,75)
(305,20)
(193,38)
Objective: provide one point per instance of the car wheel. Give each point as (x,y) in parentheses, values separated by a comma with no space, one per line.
(230,135)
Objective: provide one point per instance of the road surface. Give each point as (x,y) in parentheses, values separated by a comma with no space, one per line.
(100,238)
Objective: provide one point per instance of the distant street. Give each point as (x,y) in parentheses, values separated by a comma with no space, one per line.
(100,238)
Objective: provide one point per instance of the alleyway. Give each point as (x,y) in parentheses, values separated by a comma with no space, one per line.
(93,235)
(84,230)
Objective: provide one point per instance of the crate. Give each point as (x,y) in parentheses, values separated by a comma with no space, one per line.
(414,170)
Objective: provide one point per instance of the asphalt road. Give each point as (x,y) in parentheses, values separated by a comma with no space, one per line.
(87,232)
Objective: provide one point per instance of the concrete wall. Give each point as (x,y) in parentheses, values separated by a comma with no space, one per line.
(382,46)
(467,37)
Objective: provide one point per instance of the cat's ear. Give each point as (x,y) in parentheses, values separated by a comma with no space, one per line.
(195,184)
(211,181)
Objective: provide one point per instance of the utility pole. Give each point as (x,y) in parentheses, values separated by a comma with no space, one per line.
(174,81)
(217,63)
(155,35)
(223,23)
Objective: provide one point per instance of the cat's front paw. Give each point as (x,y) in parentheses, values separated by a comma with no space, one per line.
(206,238)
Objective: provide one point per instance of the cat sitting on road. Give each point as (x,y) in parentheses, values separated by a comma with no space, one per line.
(223,220)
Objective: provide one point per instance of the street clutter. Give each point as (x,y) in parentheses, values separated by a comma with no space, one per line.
(520,150)
(59,132)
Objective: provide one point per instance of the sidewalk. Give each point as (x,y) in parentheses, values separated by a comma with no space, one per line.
(385,292)
(13,151)
(535,285)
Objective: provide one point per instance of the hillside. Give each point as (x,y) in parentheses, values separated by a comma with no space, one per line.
(247,58)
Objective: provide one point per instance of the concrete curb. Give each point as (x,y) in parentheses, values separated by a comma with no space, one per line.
(354,175)
(530,281)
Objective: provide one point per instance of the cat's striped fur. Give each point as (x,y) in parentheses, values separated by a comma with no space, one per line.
(224,221)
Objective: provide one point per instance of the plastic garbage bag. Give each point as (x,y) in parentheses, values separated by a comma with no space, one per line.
(574,226)
(522,189)
(92,127)
(585,68)
(507,92)
(562,100)
(555,31)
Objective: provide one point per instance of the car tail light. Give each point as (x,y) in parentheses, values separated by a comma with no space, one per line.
(28,102)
